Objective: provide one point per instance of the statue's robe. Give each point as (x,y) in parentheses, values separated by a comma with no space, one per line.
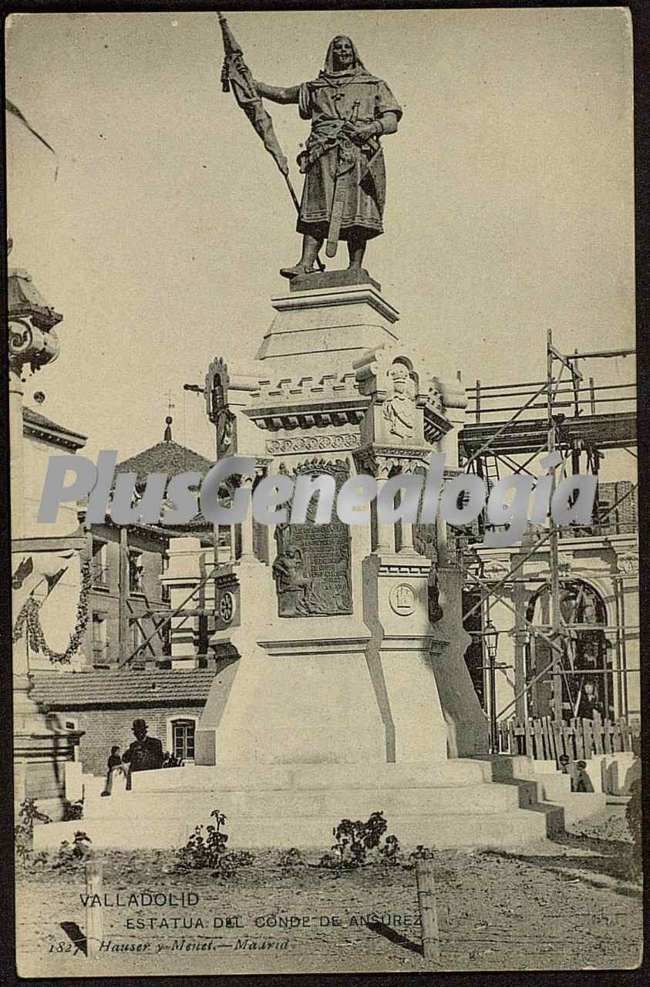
(328,102)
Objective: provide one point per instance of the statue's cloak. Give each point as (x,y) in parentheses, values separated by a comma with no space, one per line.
(330,157)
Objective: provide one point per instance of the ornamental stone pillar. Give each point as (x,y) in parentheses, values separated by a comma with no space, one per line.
(39,748)
(385,532)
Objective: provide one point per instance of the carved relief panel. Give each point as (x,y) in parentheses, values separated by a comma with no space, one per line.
(312,567)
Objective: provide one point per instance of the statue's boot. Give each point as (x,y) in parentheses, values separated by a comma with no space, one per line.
(293,272)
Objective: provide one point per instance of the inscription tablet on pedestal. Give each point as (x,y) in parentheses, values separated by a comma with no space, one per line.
(312,569)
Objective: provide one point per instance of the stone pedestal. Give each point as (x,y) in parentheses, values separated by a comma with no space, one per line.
(323,330)
(326,650)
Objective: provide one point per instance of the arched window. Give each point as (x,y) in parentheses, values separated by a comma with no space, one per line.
(584,675)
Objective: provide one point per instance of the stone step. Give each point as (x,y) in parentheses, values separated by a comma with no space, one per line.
(503,829)
(282,777)
(579,805)
(555,786)
(331,805)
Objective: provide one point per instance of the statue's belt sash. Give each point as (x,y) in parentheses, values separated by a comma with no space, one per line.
(328,135)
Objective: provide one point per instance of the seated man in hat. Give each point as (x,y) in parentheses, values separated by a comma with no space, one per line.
(145,753)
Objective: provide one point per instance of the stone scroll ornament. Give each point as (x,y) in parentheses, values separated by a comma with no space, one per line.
(312,567)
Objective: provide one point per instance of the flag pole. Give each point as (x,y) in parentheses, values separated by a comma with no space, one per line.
(240,80)
(292,191)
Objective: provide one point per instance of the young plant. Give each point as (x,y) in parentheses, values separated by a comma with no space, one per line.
(72,854)
(28,814)
(209,850)
(391,852)
(73,810)
(230,863)
(290,859)
(354,841)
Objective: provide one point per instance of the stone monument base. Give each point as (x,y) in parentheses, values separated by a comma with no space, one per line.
(40,760)
(452,803)
(41,749)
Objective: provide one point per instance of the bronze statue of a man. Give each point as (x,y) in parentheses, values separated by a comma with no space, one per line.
(343,163)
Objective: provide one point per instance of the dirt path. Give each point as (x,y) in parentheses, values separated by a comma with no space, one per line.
(565,904)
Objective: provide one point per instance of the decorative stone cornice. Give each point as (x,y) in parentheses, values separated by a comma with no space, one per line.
(320,414)
(331,442)
(332,297)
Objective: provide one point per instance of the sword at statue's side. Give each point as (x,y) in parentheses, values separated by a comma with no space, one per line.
(236,75)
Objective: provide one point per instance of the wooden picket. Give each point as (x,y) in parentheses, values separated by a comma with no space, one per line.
(560,737)
(597,733)
(513,743)
(544,738)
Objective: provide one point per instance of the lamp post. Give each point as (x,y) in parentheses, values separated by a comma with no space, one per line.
(491,638)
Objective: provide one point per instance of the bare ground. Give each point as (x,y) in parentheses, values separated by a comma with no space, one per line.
(571,903)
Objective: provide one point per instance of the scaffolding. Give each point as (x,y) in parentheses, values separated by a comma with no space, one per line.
(512,425)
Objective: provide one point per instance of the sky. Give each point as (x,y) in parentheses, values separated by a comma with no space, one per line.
(510,197)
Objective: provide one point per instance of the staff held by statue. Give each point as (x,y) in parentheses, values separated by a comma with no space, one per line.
(236,76)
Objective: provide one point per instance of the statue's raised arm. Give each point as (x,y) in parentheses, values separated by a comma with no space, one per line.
(278,94)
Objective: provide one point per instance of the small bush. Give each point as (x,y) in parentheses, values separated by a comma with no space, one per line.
(209,850)
(291,859)
(75,853)
(203,851)
(73,810)
(390,851)
(421,852)
(355,841)
(231,862)
(28,814)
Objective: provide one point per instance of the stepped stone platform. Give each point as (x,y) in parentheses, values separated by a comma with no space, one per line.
(452,803)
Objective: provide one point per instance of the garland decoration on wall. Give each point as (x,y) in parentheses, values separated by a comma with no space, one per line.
(29,618)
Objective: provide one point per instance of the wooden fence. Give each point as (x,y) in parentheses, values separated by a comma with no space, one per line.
(547,739)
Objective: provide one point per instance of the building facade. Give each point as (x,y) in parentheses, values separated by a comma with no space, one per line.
(599,585)
(102,705)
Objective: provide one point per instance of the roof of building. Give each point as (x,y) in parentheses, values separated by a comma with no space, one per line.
(171,458)
(165,457)
(73,690)
(37,424)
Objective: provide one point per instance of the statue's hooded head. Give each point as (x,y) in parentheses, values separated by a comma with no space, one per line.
(342,56)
